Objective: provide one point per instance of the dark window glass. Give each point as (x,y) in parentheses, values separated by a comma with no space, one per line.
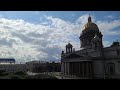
(118,52)
(111,68)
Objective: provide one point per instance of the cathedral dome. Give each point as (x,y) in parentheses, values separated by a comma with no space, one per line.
(90,25)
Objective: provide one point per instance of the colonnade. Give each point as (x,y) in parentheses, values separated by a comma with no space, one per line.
(81,69)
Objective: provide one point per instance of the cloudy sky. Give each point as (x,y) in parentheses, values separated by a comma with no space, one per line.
(42,35)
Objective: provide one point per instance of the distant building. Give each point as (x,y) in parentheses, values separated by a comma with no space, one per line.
(13,67)
(8,65)
(38,66)
(7,60)
(92,60)
(53,67)
(33,66)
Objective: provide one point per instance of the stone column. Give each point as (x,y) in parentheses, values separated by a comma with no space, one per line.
(76,68)
(91,69)
(71,49)
(90,73)
(73,68)
(65,68)
(83,69)
(87,68)
(79,68)
(62,67)
(66,49)
(68,68)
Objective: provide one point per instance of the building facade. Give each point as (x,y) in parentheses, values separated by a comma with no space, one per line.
(93,60)
(39,67)
(7,60)
(13,67)
(9,65)
(36,66)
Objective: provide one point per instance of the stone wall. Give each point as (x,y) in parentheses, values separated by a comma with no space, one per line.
(98,69)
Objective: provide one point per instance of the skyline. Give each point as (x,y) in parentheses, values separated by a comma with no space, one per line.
(42,35)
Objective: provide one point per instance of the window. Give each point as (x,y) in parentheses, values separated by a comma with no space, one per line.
(118,52)
(95,45)
(111,68)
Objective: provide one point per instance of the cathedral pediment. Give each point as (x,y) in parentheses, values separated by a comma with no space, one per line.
(74,56)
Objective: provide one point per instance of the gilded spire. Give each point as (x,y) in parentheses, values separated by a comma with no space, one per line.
(89,19)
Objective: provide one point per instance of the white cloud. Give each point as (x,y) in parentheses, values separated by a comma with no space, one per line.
(109,17)
(84,19)
(107,43)
(27,41)
(107,27)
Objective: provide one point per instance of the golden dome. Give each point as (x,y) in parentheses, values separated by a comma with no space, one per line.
(90,25)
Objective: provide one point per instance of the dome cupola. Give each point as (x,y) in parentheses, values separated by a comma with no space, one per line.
(90,32)
(90,25)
